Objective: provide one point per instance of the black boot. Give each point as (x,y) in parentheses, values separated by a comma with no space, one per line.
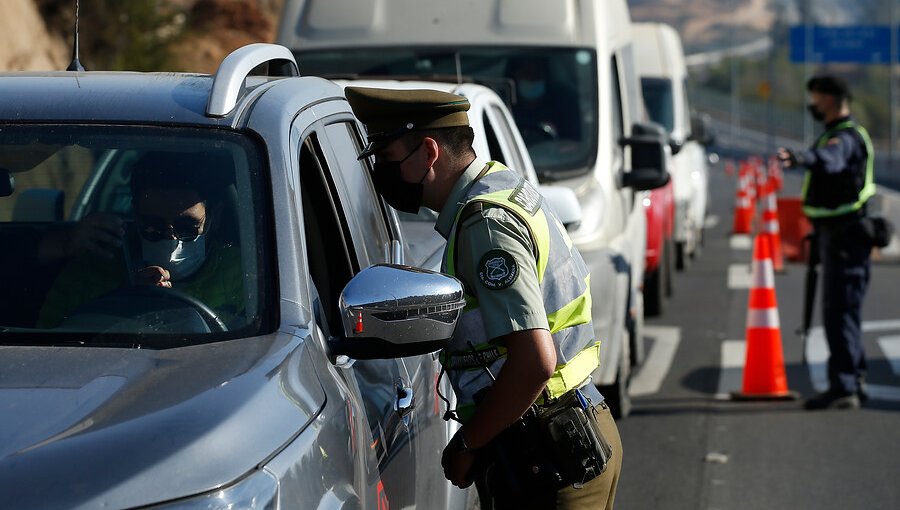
(833,399)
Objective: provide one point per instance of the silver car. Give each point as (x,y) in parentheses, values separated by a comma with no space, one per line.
(297,373)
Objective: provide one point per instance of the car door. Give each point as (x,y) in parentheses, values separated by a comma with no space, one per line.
(398,394)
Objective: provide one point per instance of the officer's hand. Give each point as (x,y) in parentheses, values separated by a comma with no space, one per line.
(458,464)
(153,275)
(787,157)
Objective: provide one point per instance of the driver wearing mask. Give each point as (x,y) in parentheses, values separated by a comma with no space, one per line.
(176,216)
(545,109)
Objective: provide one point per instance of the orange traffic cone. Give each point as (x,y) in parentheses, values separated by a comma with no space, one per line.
(743,204)
(770,225)
(775,172)
(764,375)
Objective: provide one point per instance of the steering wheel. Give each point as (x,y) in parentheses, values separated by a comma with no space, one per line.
(535,131)
(141,299)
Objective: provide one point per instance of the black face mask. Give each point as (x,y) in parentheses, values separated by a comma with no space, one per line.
(815,112)
(399,194)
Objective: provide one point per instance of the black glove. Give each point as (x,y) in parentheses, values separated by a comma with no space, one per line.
(789,159)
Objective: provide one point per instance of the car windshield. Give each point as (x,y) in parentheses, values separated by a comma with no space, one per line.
(131,235)
(552,92)
(659,101)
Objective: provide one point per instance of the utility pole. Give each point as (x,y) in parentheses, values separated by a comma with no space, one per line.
(892,83)
(807,66)
(735,87)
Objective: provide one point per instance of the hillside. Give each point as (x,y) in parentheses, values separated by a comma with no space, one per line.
(141,35)
(25,43)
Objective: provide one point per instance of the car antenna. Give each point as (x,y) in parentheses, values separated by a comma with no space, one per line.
(458,71)
(75,65)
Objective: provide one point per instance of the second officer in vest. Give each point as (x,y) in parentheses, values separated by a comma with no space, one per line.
(838,184)
(536,432)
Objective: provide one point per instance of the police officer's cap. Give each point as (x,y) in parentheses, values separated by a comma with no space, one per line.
(389,114)
(831,85)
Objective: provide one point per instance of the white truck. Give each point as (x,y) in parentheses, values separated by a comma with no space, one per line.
(567,70)
(663,74)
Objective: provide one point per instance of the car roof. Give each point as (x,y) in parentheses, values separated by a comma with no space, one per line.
(107,97)
(157,98)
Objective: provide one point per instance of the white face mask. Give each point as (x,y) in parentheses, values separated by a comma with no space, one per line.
(180,258)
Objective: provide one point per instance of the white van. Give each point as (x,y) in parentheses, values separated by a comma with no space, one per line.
(663,74)
(567,71)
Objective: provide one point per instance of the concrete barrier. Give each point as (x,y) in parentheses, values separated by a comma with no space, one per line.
(887,203)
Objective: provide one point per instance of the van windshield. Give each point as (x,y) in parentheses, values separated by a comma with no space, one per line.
(659,100)
(551,92)
(131,235)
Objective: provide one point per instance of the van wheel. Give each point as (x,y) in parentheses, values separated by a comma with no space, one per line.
(658,286)
(682,258)
(616,394)
(669,259)
(655,290)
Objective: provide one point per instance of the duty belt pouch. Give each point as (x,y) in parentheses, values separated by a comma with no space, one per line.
(878,230)
(518,463)
(580,451)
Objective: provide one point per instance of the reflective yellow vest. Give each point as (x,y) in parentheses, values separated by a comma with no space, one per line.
(826,196)
(565,286)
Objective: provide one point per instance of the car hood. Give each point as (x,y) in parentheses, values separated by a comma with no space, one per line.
(108,427)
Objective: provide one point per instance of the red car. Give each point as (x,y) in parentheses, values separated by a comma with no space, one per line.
(659,205)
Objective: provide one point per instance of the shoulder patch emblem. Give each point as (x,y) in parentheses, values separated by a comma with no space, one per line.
(497,270)
(526,197)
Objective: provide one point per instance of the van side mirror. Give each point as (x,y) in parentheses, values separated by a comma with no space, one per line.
(648,157)
(564,203)
(393,311)
(701,130)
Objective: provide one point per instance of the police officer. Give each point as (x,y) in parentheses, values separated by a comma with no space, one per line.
(838,184)
(525,340)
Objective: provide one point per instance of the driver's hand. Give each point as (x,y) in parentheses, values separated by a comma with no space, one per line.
(153,275)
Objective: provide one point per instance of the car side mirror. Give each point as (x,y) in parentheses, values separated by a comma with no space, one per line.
(564,203)
(393,311)
(701,131)
(648,157)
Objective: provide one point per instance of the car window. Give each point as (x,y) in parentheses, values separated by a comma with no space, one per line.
(358,199)
(329,249)
(133,234)
(658,97)
(513,158)
(496,153)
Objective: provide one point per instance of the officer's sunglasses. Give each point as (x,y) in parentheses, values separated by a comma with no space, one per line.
(153,228)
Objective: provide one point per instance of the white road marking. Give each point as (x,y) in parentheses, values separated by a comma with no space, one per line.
(890,346)
(739,276)
(711,221)
(817,358)
(648,380)
(731,374)
(740,242)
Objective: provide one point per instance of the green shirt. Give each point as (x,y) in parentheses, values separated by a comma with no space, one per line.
(518,306)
